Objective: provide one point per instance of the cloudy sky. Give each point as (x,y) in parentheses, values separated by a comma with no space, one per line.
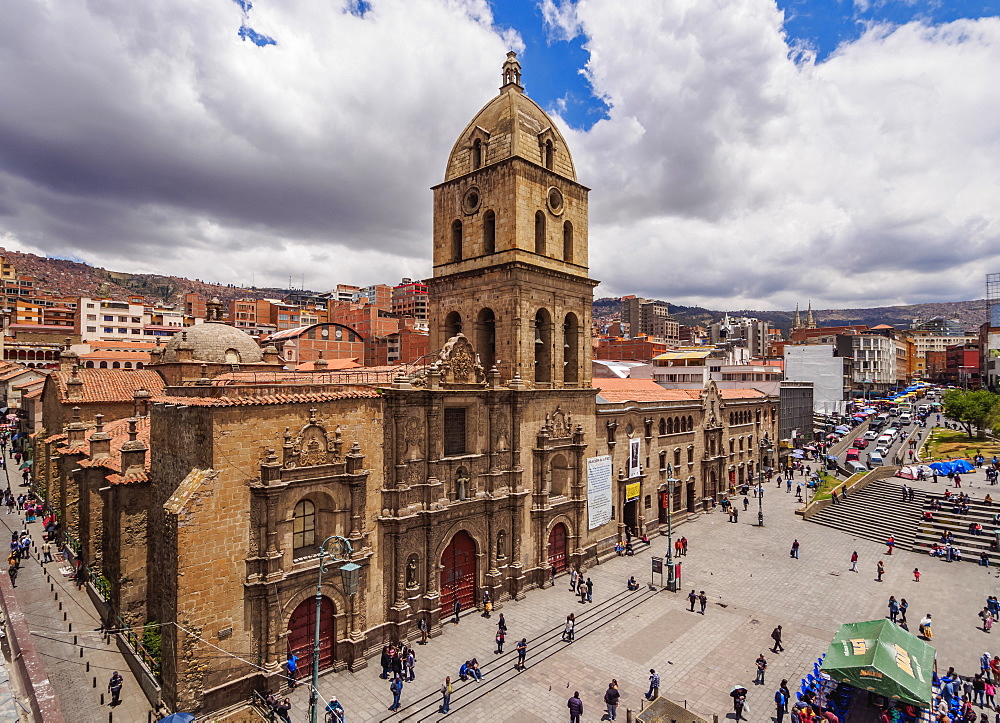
(742,153)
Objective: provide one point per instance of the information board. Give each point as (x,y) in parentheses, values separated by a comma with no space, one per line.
(599,490)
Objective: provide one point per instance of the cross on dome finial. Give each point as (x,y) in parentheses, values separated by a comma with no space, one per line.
(511,73)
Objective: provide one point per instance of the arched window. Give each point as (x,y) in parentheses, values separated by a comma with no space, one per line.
(741,444)
(543,346)
(549,154)
(663,460)
(571,352)
(90,365)
(691,454)
(539,232)
(568,241)
(690,424)
(663,426)
(304,528)
(677,457)
(477,154)
(128,365)
(452,324)
(732,445)
(489,233)
(456,240)
(104,365)
(486,339)
(115,365)
(139,365)
(670,426)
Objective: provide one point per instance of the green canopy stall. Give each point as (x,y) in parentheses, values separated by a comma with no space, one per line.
(881,657)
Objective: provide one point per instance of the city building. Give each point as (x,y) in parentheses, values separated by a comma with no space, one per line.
(936,334)
(317,341)
(409,299)
(639,348)
(650,318)
(828,368)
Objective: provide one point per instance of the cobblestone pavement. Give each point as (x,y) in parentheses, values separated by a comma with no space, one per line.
(79,700)
(753,585)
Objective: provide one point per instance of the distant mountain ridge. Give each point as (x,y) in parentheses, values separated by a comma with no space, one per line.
(970,314)
(73,278)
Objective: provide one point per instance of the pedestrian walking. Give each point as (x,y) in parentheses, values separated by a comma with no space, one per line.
(854,561)
(502,624)
(654,685)
(396,688)
(890,543)
(781,702)
(880,570)
(457,608)
(684,546)
(590,590)
(776,637)
(611,696)
(795,549)
(291,667)
(761,664)
(422,627)
(575,706)
(522,653)
(573,576)
(569,628)
(692,598)
(916,575)
(903,605)
(12,571)
(582,591)
(500,636)
(702,601)
(739,700)
(446,691)
(115,688)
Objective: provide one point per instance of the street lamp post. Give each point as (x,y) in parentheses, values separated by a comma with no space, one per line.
(765,445)
(336,549)
(671,579)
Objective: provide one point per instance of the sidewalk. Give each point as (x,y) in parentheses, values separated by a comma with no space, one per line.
(63,624)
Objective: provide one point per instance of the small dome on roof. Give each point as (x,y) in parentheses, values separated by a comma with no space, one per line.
(214,343)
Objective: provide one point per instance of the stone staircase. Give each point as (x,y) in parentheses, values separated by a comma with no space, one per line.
(945,520)
(876,512)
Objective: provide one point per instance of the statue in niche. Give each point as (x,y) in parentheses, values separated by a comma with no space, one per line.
(462,484)
(500,545)
(411,573)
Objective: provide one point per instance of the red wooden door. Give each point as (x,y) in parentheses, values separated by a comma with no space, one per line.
(302,632)
(557,548)
(458,578)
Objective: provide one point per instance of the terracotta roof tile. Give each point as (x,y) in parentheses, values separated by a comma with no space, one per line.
(109,385)
(741,394)
(250,401)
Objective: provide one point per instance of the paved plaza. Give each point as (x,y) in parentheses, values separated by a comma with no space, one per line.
(752,584)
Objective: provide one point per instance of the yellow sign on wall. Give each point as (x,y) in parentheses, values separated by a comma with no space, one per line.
(632,491)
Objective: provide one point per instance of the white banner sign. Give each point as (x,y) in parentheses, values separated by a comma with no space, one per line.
(633,457)
(599,490)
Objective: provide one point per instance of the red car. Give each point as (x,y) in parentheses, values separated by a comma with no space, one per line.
(860,443)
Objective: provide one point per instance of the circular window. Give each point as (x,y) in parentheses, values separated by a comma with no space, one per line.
(325,332)
(470,203)
(555,200)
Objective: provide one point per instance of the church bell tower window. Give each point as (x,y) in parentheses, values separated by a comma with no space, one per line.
(456,240)
(489,233)
(539,232)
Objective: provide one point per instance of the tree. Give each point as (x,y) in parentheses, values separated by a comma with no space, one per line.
(970,409)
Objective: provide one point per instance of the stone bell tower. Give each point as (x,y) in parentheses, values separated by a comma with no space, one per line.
(510,245)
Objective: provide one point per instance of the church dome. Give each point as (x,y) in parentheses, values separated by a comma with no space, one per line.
(510,125)
(214,343)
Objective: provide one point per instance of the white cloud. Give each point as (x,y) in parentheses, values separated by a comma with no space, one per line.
(148,136)
(865,179)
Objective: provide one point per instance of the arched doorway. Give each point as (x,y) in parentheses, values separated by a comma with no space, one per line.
(458,573)
(302,632)
(557,548)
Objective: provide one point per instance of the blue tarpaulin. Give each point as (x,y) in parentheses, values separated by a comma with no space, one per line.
(956,465)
